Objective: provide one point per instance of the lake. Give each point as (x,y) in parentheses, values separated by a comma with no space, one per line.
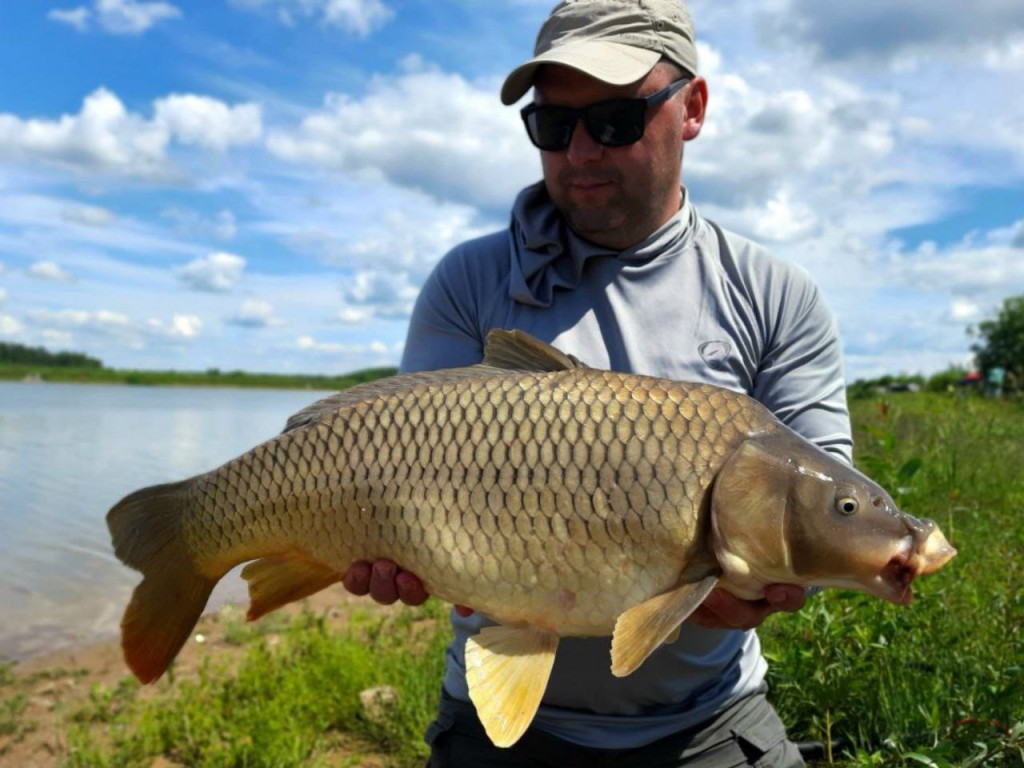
(67,454)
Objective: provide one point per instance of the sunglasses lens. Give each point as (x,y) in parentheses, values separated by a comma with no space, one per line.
(550,128)
(616,123)
(613,123)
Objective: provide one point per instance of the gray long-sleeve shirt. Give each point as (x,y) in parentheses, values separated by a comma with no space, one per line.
(689,303)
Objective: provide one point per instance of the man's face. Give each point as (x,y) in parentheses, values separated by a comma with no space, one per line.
(616,196)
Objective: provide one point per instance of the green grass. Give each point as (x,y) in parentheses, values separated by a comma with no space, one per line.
(939,683)
(286,704)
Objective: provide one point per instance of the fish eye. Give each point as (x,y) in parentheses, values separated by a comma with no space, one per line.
(846,505)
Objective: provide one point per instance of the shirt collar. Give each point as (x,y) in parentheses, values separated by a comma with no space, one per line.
(547,255)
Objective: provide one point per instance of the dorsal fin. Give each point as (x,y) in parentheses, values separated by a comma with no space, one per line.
(519,351)
(503,351)
(324,410)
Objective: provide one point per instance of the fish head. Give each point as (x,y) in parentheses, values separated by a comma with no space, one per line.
(785,511)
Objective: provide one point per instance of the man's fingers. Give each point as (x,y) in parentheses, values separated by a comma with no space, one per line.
(734,613)
(385,582)
(410,589)
(382,582)
(785,597)
(357,578)
(722,610)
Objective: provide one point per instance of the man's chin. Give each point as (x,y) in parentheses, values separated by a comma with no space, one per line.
(593,218)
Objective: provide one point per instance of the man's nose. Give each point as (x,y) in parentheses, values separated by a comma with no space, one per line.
(582,147)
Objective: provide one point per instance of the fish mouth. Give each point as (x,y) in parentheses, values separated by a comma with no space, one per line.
(909,559)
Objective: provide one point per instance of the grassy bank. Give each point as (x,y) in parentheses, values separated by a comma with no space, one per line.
(209,378)
(940,683)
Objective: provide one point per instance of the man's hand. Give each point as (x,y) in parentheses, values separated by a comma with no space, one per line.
(385,582)
(723,610)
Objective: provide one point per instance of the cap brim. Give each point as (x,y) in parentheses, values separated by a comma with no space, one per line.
(612,63)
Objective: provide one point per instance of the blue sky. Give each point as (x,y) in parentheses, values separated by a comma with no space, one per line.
(264,184)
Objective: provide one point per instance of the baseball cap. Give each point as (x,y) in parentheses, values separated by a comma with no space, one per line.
(616,41)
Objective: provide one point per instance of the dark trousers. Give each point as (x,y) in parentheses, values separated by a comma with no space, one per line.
(749,733)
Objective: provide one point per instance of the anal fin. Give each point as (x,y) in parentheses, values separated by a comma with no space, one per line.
(641,629)
(280,579)
(507,669)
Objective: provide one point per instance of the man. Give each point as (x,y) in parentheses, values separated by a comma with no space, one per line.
(608,259)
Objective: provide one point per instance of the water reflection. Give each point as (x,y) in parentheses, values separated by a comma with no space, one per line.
(67,454)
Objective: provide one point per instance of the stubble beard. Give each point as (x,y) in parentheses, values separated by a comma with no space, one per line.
(619,221)
(613,222)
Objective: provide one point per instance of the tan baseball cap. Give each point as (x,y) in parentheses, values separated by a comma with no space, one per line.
(616,41)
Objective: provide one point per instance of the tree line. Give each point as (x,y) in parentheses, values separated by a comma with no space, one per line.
(18,353)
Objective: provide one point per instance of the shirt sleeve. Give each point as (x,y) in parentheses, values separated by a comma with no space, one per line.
(800,377)
(445,328)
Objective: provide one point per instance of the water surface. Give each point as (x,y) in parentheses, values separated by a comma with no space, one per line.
(67,454)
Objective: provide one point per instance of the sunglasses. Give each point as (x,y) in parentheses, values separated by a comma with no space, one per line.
(612,123)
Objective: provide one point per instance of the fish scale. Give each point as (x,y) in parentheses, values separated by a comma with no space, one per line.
(591,459)
(556,499)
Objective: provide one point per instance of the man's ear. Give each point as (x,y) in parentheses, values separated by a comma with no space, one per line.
(696,108)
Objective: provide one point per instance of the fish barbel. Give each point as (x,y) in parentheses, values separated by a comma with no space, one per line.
(557,499)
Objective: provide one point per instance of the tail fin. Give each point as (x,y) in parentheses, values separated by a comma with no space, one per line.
(145,528)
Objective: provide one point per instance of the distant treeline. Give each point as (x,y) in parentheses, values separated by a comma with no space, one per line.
(18,362)
(940,382)
(18,353)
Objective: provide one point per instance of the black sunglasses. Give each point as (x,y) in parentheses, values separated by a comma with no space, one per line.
(612,123)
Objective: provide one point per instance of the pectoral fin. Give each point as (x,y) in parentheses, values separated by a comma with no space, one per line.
(507,669)
(641,629)
(279,579)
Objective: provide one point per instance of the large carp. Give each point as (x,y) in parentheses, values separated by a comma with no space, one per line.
(557,499)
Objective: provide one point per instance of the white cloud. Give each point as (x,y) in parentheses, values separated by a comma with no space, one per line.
(50,270)
(3,295)
(77,327)
(760,144)
(782,220)
(217,273)
(879,31)
(981,273)
(179,327)
(118,17)
(310,344)
(208,122)
(357,17)
(89,215)
(105,137)
(185,326)
(424,129)
(360,17)
(221,226)
(226,227)
(964,310)
(102,320)
(254,313)
(9,326)
(73,17)
(373,294)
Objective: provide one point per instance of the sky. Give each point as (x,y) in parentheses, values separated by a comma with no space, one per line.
(265,184)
